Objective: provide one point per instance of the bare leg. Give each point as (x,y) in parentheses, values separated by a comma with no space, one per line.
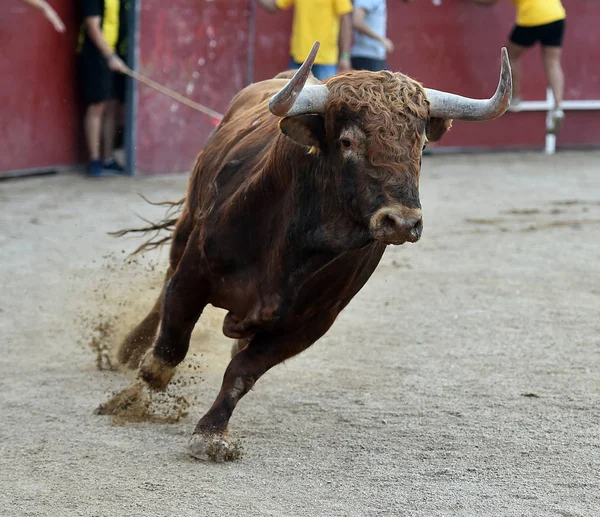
(137,342)
(515,52)
(93,128)
(264,351)
(109,129)
(554,73)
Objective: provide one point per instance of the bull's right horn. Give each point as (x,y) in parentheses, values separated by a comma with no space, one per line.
(297,99)
(450,106)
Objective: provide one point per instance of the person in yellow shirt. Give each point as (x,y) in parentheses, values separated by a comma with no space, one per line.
(543,21)
(326,21)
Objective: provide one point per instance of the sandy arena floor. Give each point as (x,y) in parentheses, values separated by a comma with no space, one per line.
(463,380)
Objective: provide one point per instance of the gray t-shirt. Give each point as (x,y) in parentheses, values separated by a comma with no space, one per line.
(376,19)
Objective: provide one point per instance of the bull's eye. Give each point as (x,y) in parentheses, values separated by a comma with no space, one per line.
(346,142)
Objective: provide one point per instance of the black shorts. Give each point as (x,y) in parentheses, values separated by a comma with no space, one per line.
(368,63)
(549,35)
(97,82)
(120,83)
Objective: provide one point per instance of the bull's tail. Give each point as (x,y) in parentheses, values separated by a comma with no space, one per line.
(156,230)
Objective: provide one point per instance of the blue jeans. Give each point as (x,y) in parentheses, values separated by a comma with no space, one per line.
(321,72)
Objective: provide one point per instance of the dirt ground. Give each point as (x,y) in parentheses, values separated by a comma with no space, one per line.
(463,380)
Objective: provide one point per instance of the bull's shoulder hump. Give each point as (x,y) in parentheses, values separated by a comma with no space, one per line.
(259,92)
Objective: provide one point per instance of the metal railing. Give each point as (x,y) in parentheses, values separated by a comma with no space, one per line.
(548,106)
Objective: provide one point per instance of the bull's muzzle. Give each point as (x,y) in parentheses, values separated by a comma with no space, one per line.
(397,225)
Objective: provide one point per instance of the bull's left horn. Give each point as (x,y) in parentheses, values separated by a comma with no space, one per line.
(296,99)
(450,106)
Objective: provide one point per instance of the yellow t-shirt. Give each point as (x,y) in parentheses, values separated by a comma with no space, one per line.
(110,23)
(538,12)
(316,20)
(109,12)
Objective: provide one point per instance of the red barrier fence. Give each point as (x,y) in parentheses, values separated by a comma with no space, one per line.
(208,50)
(40,118)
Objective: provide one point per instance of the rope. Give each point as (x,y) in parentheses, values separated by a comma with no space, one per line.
(174,95)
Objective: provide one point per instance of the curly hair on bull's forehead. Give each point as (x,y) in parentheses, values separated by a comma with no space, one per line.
(392,109)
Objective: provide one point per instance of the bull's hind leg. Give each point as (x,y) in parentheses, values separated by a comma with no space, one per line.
(139,340)
(186,295)
(210,440)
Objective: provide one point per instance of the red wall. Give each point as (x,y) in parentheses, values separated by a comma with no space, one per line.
(39,107)
(456,47)
(198,48)
(201,48)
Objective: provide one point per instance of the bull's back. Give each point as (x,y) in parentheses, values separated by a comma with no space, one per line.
(238,147)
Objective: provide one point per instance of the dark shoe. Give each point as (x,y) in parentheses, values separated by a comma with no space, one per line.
(95,169)
(113,165)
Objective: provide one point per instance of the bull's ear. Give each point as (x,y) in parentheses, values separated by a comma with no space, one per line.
(307,130)
(436,127)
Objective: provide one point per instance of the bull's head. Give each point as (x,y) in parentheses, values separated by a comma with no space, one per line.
(373,126)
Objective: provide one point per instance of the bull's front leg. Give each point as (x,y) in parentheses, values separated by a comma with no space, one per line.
(185,296)
(210,438)
(238,345)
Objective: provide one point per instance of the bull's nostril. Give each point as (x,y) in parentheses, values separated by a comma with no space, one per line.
(391,222)
(392,227)
(416,231)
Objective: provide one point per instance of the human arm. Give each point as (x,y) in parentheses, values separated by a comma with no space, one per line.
(345,41)
(269,5)
(360,25)
(92,26)
(49,13)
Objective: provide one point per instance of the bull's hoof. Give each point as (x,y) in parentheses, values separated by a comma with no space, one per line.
(155,373)
(213,447)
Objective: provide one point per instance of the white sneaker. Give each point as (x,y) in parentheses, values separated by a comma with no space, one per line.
(554,120)
(559,117)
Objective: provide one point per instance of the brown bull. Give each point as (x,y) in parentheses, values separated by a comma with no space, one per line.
(289,209)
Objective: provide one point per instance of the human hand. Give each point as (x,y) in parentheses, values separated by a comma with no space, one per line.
(115,63)
(344,64)
(388,44)
(54,19)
